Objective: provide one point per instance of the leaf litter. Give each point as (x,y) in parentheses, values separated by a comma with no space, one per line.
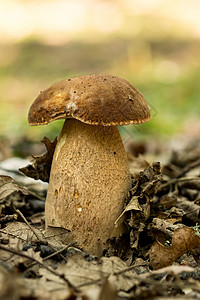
(158,258)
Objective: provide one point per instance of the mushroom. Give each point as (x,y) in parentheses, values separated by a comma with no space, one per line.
(90,176)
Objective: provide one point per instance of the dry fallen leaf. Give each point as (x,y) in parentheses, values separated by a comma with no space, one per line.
(183,240)
(41,165)
(87,275)
(8,186)
(192,210)
(163,229)
(19,234)
(42,289)
(11,195)
(132,205)
(142,191)
(149,180)
(20,231)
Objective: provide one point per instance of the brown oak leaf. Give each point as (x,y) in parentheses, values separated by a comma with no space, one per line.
(183,240)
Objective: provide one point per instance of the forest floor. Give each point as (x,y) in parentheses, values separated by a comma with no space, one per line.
(157,259)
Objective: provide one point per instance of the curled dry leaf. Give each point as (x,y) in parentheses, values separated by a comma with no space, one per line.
(135,236)
(12,196)
(9,189)
(41,165)
(142,191)
(140,195)
(139,200)
(149,180)
(184,239)
(8,186)
(163,228)
(172,215)
(132,205)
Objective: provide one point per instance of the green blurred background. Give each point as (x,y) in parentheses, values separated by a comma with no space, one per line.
(155,44)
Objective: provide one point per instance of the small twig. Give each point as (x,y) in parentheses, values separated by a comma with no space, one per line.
(27,223)
(54,249)
(13,235)
(37,236)
(62,276)
(53,254)
(60,251)
(89,283)
(128,269)
(172,181)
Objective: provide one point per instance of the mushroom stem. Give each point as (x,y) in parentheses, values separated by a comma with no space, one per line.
(89,181)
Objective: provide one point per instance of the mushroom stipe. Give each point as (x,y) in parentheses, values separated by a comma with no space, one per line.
(90,177)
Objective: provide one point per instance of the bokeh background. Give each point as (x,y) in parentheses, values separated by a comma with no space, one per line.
(155,44)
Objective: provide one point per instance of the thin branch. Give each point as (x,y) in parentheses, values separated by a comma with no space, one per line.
(53,254)
(27,223)
(13,235)
(128,269)
(60,251)
(172,181)
(62,276)
(89,283)
(37,236)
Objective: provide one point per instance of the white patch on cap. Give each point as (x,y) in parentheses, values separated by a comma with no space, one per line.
(71,107)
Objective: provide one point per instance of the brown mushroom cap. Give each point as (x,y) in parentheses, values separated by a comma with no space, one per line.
(93,99)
